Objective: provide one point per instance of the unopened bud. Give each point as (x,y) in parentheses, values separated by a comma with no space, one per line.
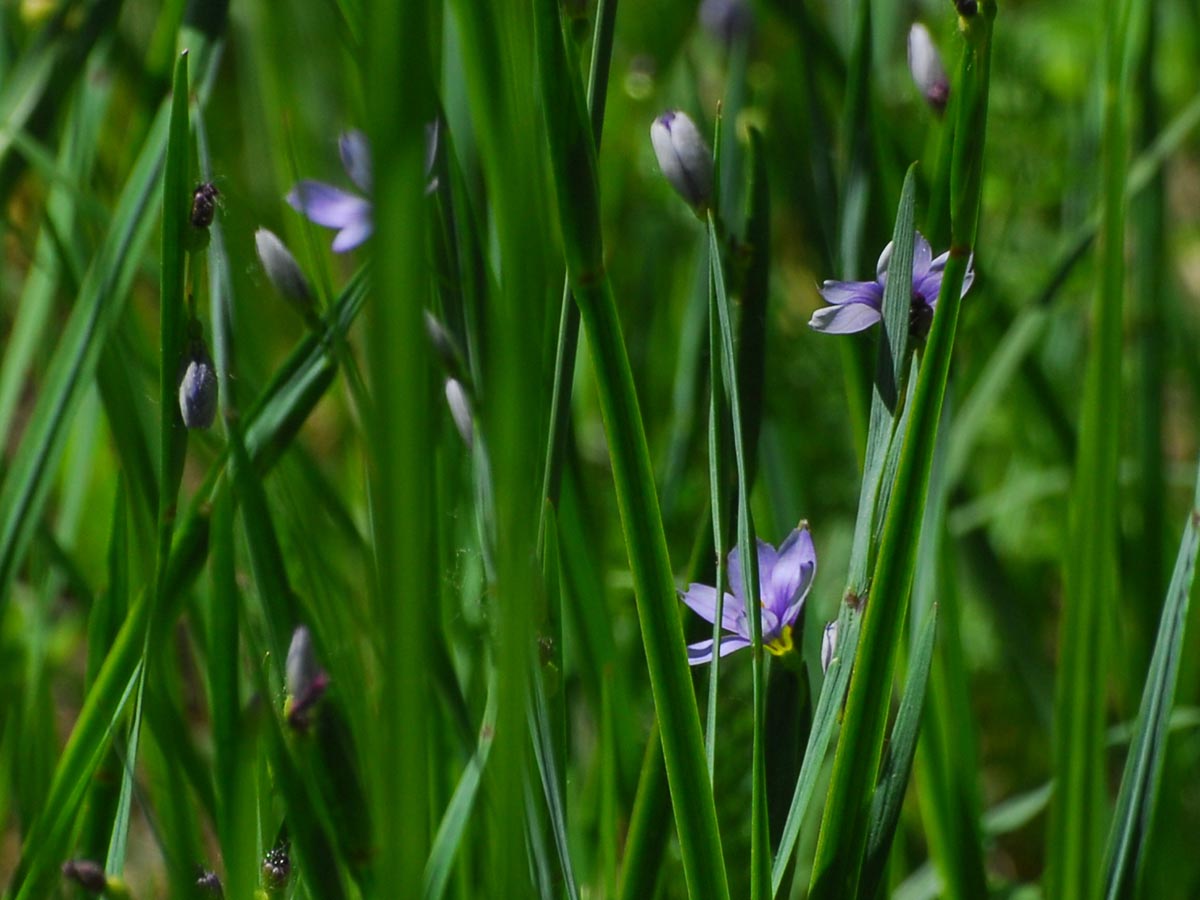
(282,269)
(683,156)
(86,873)
(727,20)
(209,883)
(306,680)
(828,644)
(198,388)
(925,64)
(460,409)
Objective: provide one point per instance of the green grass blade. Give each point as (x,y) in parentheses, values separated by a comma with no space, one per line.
(1077,813)
(893,780)
(573,160)
(760,850)
(402,472)
(843,832)
(455,820)
(1138,795)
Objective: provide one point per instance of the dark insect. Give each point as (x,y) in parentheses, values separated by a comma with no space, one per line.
(209,882)
(204,204)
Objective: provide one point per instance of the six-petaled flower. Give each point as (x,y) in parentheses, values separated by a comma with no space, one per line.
(784,575)
(857,305)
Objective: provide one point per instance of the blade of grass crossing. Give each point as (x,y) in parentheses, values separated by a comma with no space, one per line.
(1136,799)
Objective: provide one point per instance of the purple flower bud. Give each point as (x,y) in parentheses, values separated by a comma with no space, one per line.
(306,680)
(88,874)
(727,20)
(926,67)
(198,389)
(282,269)
(209,883)
(683,156)
(460,410)
(828,644)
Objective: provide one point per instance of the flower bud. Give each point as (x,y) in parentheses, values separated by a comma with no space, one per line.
(86,873)
(727,20)
(282,269)
(683,156)
(926,67)
(460,409)
(306,680)
(198,388)
(209,883)
(828,644)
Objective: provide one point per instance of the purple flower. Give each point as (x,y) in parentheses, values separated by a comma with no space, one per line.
(332,207)
(784,577)
(683,156)
(857,305)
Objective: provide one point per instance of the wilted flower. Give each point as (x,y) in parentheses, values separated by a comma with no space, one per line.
(306,680)
(828,644)
(282,269)
(683,156)
(460,409)
(784,578)
(857,305)
(198,388)
(925,64)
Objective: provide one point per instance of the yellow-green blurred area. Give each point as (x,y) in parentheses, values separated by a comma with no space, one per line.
(80,86)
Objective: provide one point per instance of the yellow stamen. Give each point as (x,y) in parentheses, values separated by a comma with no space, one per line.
(782,645)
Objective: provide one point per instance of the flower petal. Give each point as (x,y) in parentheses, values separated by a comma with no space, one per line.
(327,205)
(840,292)
(792,576)
(702,652)
(845,319)
(881,266)
(702,599)
(353,234)
(356,158)
(922,255)
(969,276)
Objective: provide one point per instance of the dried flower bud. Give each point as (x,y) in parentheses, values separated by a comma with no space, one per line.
(204,204)
(306,680)
(87,873)
(198,388)
(828,644)
(926,67)
(277,868)
(282,269)
(460,409)
(683,156)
